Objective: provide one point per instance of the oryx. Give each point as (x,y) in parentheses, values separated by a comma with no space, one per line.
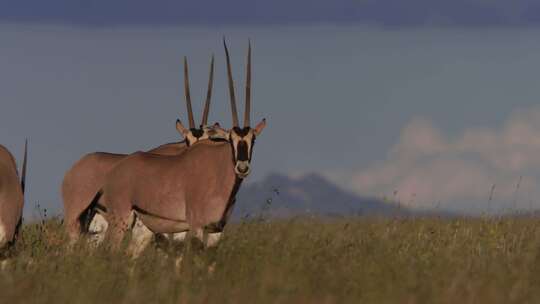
(11,196)
(83,181)
(193,191)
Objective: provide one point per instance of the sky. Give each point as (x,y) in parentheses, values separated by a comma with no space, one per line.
(436,117)
(216,12)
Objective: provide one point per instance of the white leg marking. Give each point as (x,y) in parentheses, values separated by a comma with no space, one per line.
(141,236)
(4,264)
(199,234)
(3,237)
(179,236)
(178,264)
(212,268)
(212,239)
(97,229)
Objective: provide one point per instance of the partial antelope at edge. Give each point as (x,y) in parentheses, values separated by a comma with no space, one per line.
(11,196)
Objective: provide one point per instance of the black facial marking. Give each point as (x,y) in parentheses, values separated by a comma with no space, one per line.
(243,154)
(242,131)
(198,133)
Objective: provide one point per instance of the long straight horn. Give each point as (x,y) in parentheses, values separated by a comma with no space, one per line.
(248,89)
(208,94)
(23,170)
(231,87)
(188,95)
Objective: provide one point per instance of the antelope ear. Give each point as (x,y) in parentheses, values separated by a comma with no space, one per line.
(181,129)
(260,126)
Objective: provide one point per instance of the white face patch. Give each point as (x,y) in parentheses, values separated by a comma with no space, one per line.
(235,140)
(249,140)
(191,139)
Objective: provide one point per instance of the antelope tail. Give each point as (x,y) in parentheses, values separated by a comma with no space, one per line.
(23,170)
(23,184)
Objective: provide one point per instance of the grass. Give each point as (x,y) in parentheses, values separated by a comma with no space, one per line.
(313,260)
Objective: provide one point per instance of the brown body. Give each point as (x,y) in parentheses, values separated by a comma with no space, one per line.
(83,181)
(171,194)
(11,198)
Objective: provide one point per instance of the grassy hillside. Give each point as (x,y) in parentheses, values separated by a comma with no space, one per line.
(295,261)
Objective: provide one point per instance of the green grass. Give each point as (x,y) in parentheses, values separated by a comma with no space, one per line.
(295,261)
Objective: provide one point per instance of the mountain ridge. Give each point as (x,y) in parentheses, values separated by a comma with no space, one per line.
(279,195)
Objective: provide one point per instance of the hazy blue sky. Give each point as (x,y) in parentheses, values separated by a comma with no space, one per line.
(438,114)
(218,12)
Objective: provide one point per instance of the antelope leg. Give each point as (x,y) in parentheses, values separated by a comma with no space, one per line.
(212,239)
(119,224)
(4,237)
(97,229)
(141,236)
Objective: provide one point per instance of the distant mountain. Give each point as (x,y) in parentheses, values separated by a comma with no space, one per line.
(239,12)
(281,196)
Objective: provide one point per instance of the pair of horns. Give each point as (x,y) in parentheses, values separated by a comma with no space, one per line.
(231,88)
(188,95)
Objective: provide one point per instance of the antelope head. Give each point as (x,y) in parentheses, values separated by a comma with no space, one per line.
(194,134)
(242,139)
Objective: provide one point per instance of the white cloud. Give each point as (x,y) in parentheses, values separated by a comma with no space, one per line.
(425,166)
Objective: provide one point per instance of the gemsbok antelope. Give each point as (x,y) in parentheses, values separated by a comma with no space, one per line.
(194,191)
(83,181)
(11,196)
